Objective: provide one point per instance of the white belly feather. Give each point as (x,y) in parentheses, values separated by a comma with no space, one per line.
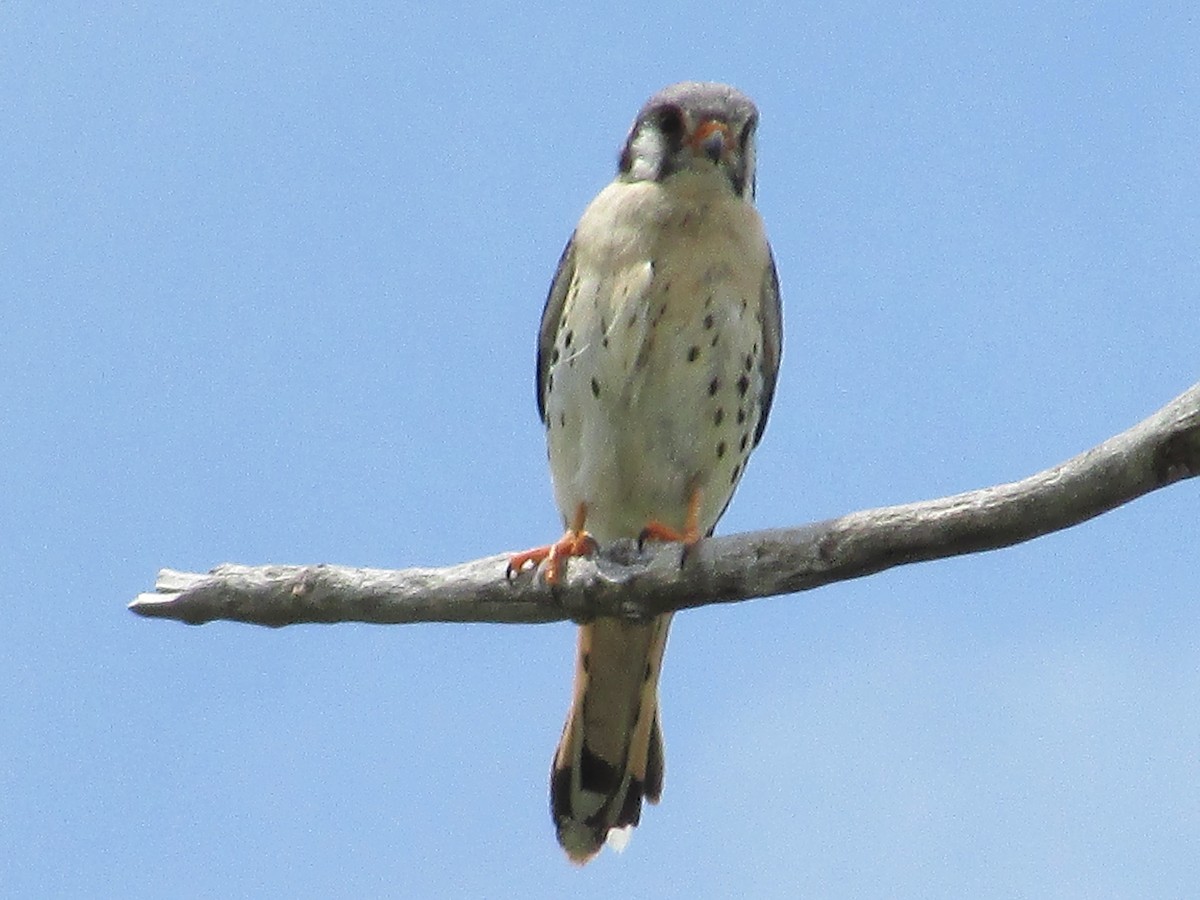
(656,373)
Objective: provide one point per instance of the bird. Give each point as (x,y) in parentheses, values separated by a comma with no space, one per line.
(657,359)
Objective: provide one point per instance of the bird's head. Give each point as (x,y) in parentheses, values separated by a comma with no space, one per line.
(696,127)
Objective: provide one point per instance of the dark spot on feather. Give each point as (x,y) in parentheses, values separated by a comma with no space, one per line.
(720,450)
(741,416)
(719,415)
(595,388)
(737,470)
(742,443)
(713,387)
(743,384)
(567,338)
(708,320)
(693,353)
(595,774)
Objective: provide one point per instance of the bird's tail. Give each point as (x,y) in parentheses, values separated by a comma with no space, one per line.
(611,752)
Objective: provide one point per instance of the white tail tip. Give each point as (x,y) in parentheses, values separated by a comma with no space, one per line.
(618,838)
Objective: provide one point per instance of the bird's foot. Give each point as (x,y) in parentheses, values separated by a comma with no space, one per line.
(553,557)
(657,531)
(689,536)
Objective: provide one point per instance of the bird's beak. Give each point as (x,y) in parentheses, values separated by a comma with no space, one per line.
(712,139)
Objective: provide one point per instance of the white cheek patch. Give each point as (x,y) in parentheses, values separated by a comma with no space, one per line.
(647,152)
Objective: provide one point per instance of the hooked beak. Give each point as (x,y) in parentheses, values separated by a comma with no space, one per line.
(712,139)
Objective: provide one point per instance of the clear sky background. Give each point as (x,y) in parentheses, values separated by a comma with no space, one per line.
(270,282)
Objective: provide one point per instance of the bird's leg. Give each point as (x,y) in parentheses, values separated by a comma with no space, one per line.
(689,537)
(576,542)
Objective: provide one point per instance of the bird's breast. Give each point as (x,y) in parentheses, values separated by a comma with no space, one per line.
(655,372)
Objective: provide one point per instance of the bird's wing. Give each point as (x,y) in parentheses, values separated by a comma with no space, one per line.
(551,316)
(772,340)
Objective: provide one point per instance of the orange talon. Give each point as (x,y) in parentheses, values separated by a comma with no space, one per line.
(519,561)
(689,537)
(576,542)
(657,531)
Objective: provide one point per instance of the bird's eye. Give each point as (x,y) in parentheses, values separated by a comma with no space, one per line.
(670,121)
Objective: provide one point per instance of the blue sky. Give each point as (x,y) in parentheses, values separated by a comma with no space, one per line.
(270,284)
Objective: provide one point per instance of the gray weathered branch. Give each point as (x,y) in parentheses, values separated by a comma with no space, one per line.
(1163,449)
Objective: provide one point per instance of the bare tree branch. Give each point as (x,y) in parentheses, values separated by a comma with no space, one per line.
(620,581)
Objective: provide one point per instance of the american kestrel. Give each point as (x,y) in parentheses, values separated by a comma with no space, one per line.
(656,364)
